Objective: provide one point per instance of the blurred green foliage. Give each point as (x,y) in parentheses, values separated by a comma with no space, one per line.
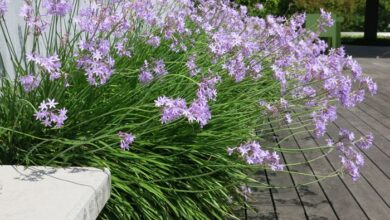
(352,10)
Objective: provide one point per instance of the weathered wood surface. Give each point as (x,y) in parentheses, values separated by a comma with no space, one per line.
(336,197)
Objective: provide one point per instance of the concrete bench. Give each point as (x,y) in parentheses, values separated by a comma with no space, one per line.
(46,193)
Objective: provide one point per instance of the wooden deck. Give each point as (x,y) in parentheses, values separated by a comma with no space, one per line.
(337,197)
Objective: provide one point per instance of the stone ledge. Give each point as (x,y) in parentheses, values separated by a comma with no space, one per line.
(46,193)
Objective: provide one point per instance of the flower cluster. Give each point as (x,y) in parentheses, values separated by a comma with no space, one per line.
(172,109)
(50,65)
(126,140)
(49,116)
(149,72)
(254,154)
(365,142)
(191,65)
(322,118)
(351,159)
(154,41)
(96,61)
(121,48)
(29,82)
(100,23)
(57,7)
(199,109)
(326,19)
(33,21)
(345,133)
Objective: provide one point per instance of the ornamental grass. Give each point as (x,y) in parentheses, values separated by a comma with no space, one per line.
(179,99)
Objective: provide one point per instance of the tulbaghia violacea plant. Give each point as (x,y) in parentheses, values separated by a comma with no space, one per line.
(49,115)
(203,86)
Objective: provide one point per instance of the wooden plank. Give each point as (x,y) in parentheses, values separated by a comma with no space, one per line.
(365,194)
(385,94)
(261,201)
(286,199)
(312,196)
(377,105)
(374,111)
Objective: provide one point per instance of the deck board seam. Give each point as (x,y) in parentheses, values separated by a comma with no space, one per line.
(361,109)
(271,194)
(288,169)
(312,171)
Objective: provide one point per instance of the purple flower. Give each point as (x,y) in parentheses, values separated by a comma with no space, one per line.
(191,65)
(96,61)
(199,111)
(126,140)
(159,68)
(121,48)
(29,82)
(145,76)
(49,116)
(326,19)
(253,154)
(366,141)
(33,21)
(148,73)
(236,67)
(172,109)
(26,11)
(256,67)
(329,142)
(345,133)
(154,41)
(320,127)
(206,90)
(351,168)
(49,64)
(309,91)
(57,7)
(371,85)
(352,161)
(356,69)
(3,7)
(321,119)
